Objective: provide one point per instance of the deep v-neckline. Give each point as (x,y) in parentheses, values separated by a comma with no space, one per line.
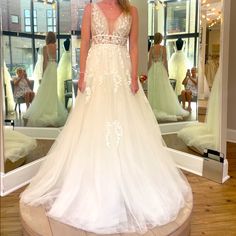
(109,22)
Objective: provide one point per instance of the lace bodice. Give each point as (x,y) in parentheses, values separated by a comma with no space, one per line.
(105,32)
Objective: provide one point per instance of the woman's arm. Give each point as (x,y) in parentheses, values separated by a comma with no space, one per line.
(194,80)
(16,81)
(85,44)
(133,49)
(150,58)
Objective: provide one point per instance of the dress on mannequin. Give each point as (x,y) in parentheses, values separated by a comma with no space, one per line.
(178,65)
(38,70)
(64,70)
(46,109)
(108,171)
(161,95)
(9,93)
(206,135)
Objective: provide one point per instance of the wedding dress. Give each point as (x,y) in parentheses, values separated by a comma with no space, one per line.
(64,72)
(9,93)
(178,65)
(46,109)
(17,145)
(161,95)
(108,170)
(38,70)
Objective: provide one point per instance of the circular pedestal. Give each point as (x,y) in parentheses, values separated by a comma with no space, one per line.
(36,223)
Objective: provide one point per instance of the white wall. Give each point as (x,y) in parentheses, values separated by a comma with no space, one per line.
(231,119)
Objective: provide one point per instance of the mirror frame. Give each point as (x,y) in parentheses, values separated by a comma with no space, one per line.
(21,176)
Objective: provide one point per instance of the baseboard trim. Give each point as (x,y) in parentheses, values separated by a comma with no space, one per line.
(231,135)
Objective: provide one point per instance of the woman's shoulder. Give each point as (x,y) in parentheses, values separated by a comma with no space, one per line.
(133,10)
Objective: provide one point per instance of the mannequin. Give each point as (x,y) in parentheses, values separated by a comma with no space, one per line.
(178,65)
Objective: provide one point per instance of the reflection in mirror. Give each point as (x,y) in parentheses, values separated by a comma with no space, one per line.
(25,25)
(206,135)
(178,22)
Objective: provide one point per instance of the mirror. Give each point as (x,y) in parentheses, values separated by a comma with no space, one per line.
(161,17)
(48,92)
(177,22)
(191,36)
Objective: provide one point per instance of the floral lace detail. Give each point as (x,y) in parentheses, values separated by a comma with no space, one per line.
(100,29)
(114,132)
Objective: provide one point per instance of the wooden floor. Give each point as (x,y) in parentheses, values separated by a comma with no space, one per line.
(214,212)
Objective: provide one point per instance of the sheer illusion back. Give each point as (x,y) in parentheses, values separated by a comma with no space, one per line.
(157,57)
(105,31)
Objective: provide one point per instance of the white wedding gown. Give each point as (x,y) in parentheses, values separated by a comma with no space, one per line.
(46,110)
(161,96)
(108,170)
(64,72)
(178,65)
(38,70)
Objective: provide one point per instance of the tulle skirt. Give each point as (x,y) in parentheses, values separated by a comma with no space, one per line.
(9,93)
(108,170)
(161,95)
(17,145)
(64,72)
(46,109)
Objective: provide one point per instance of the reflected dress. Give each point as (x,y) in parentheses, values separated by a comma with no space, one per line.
(108,170)
(161,95)
(46,109)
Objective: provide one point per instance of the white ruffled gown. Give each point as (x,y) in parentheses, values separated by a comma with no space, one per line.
(178,65)
(64,72)
(38,70)
(46,110)
(17,145)
(161,95)
(206,135)
(9,93)
(108,170)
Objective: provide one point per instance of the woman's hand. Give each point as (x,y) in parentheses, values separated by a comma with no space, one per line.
(134,86)
(81,85)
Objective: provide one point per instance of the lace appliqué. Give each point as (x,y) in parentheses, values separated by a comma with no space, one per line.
(114,132)
(100,28)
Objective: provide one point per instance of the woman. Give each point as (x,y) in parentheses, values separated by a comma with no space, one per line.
(161,95)
(22,87)
(46,109)
(190,84)
(108,171)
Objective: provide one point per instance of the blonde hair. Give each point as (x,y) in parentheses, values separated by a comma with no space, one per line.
(125,5)
(158,38)
(50,38)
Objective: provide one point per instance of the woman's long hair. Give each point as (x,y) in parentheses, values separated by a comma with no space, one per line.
(125,5)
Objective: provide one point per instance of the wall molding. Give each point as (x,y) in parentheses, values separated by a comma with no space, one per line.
(231,135)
